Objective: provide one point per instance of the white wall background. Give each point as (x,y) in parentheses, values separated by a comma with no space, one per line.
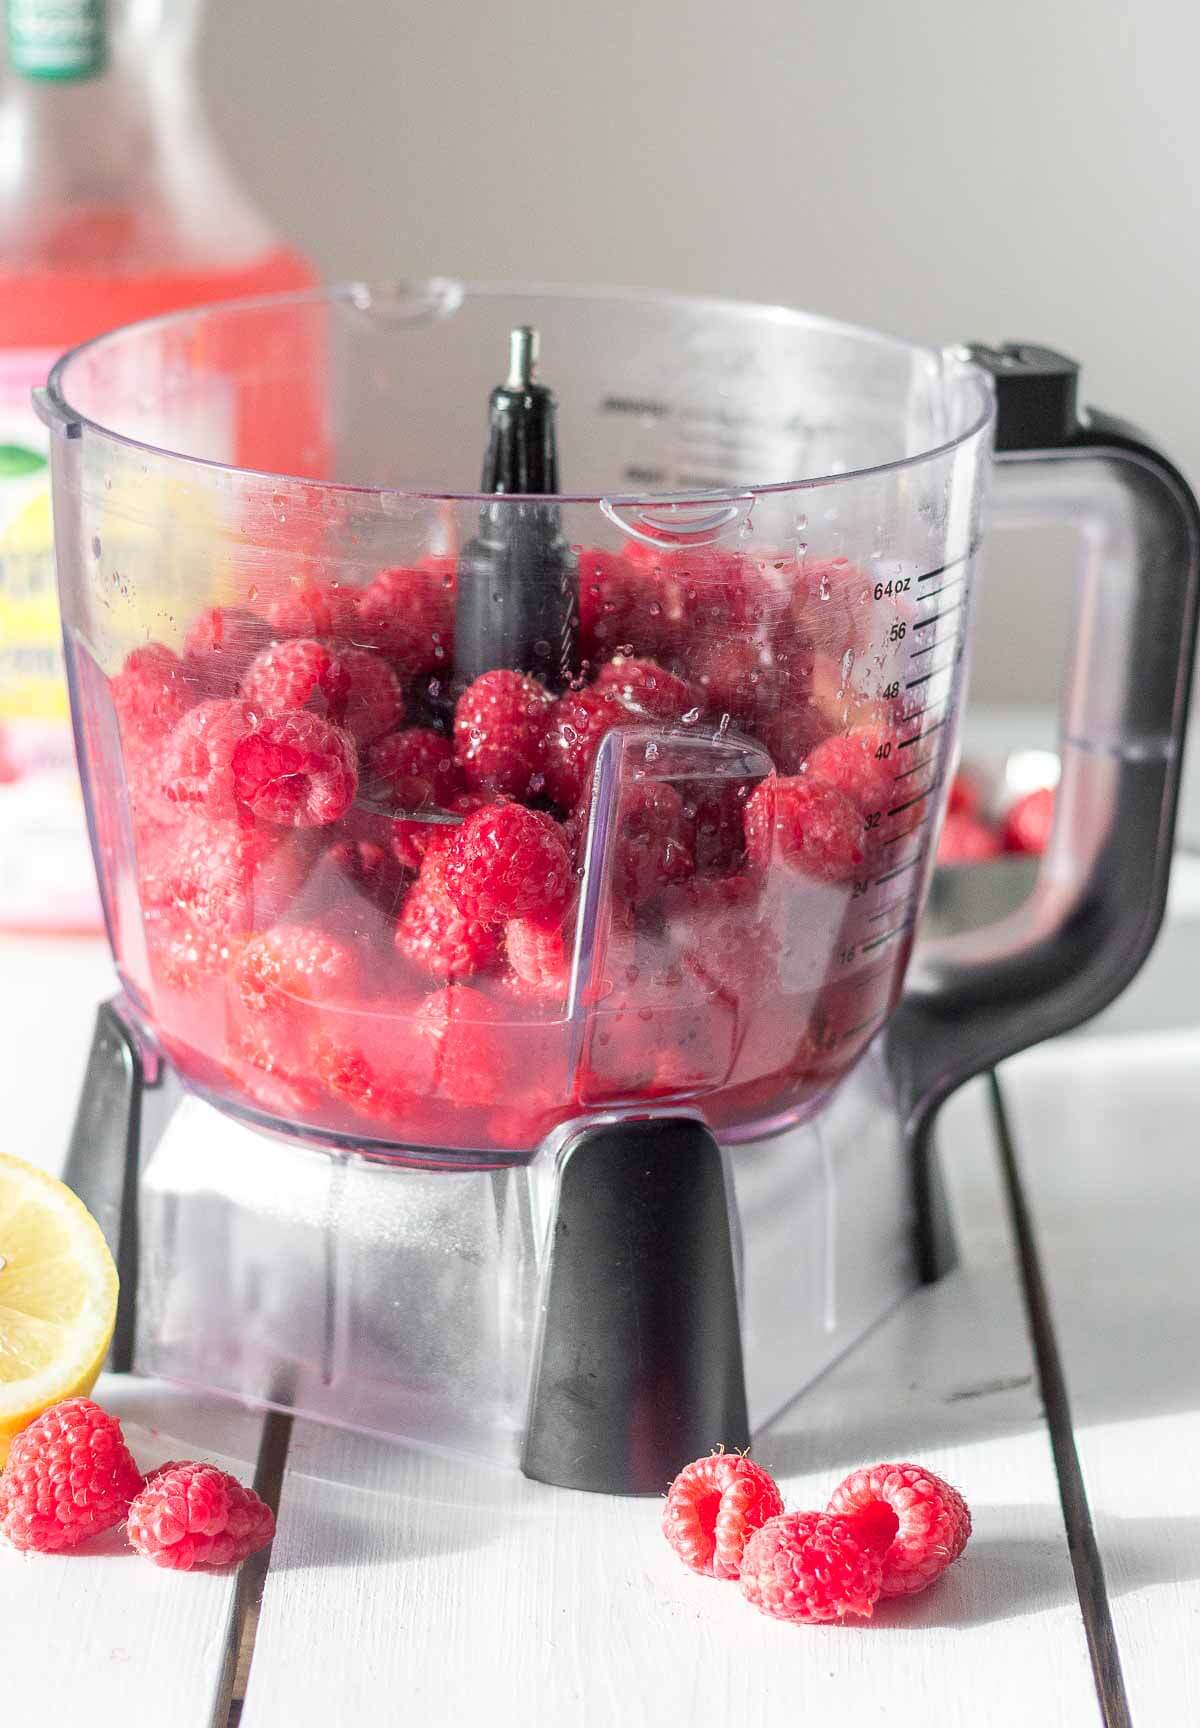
(943,168)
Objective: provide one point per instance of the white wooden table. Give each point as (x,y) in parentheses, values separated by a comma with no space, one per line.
(1054,1375)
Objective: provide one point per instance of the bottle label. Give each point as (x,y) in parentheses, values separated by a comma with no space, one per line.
(32,685)
(56,38)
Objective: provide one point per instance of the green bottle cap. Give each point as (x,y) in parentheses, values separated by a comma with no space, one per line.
(63,39)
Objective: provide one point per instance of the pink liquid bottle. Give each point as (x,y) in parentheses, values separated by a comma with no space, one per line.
(115,205)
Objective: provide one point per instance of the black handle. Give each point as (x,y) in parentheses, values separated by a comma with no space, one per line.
(1101,889)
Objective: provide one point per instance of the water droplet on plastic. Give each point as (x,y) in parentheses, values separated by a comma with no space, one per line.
(724,724)
(823,588)
(652,752)
(691,717)
(801,523)
(95,545)
(252,592)
(541,647)
(847,665)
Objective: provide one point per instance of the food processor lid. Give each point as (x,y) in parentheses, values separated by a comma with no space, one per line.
(792,356)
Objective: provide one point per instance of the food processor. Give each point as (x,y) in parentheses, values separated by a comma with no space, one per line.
(523,1046)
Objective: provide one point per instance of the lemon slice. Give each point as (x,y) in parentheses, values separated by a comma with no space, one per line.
(58,1296)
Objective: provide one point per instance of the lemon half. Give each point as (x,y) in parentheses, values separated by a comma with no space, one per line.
(58,1296)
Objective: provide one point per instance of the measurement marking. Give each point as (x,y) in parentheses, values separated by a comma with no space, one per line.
(898,871)
(936,727)
(916,768)
(932,647)
(875,1020)
(878,941)
(951,564)
(944,589)
(946,666)
(946,612)
(929,707)
(919,799)
(905,832)
(892,906)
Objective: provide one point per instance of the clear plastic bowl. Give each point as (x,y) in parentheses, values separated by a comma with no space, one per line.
(259,513)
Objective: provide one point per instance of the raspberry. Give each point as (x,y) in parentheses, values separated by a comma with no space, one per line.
(183,952)
(966,840)
(620,606)
(914,1521)
(220,645)
(712,1508)
(815,829)
(219,876)
(374,700)
(1027,825)
(811,1568)
(861,763)
(299,673)
(646,685)
(412,837)
(190,1515)
(197,756)
(732,675)
(963,799)
(149,693)
(507,862)
(414,768)
(539,952)
(654,841)
(466,1031)
(296,769)
(315,609)
(294,963)
(433,935)
(500,733)
(69,1476)
(373,1062)
(408,614)
(576,724)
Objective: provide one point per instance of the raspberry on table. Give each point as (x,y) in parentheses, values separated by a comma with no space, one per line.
(810,1567)
(575,726)
(645,685)
(313,609)
(221,643)
(296,770)
(69,1476)
(149,693)
(816,829)
(507,861)
(374,701)
(500,723)
(197,756)
(433,935)
(1028,823)
(415,768)
(915,1522)
(966,840)
(294,964)
(964,797)
(408,614)
(298,673)
(861,763)
(713,1506)
(192,1515)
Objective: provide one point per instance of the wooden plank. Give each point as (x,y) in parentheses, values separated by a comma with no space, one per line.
(452,1593)
(1105,1130)
(102,1635)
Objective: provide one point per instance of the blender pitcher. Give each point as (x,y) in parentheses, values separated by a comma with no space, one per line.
(513,887)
